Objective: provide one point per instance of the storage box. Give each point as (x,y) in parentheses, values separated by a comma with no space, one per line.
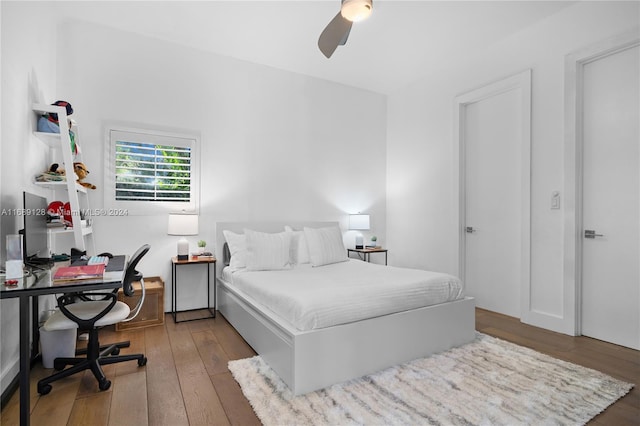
(152,311)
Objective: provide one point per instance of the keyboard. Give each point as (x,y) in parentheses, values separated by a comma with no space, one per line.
(96,260)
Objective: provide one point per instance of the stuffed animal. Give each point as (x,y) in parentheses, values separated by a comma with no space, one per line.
(55,169)
(82,172)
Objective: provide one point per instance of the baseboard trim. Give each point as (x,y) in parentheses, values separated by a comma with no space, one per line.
(14,381)
(9,391)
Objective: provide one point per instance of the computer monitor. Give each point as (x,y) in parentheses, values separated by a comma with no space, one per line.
(35,235)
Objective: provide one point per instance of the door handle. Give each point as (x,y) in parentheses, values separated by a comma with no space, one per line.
(469,230)
(589,233)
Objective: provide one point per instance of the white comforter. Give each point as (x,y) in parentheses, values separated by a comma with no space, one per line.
(311,298)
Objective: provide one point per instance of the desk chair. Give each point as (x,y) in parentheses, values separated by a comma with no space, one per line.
(91,315)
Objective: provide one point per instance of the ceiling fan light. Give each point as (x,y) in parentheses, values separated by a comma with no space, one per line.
(356,10)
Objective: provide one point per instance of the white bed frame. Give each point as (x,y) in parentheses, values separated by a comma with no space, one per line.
(311,360)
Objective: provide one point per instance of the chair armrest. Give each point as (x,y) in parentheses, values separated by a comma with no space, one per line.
(138,306)
(87,323)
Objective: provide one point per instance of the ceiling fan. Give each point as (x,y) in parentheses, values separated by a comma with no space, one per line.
(336,33)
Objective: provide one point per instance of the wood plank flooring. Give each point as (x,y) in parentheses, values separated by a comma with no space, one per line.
(186,381)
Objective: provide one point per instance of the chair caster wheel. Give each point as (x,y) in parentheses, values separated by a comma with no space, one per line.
(142,361)
(104,384)
(115,351)
(59,366)
(44,389)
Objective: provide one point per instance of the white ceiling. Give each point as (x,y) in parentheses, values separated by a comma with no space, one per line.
(397,45)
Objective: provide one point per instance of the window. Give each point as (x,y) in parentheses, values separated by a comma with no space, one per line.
(151,171)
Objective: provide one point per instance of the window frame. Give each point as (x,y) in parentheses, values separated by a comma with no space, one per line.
(155,136)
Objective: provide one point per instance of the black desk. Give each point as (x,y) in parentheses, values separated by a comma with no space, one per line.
(38,284)
(367,253)
(174,285)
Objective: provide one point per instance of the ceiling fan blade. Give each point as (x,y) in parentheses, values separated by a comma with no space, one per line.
(335,34)
(346,36)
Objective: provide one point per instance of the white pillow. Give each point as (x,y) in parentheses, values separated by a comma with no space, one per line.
(325,245)
(238,248)
(267,252)
(299,249)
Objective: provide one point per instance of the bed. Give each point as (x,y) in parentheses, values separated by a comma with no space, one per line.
(311,344)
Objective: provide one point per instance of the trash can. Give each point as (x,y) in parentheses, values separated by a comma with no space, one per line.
(57,344)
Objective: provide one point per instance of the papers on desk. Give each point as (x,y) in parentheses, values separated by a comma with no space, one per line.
(78,273)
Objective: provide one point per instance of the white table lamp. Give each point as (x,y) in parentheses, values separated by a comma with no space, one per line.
(359,222)
(183,224)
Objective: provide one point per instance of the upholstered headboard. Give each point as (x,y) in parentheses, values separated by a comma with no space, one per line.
(222,251)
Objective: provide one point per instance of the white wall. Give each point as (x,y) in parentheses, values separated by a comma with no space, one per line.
(422,210)
(28,76)
(275,145)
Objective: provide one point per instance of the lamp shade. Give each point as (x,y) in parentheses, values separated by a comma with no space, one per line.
(183,224)
(359,221)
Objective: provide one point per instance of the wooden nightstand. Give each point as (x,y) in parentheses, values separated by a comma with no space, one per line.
(366,252)
(174,285)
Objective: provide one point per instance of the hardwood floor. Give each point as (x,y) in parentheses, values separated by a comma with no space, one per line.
(186,380)
(616,361)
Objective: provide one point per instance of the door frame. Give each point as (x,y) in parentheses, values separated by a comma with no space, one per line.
(571,322)
(521,81)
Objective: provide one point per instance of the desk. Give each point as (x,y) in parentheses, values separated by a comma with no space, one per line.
(38,284)
(174,285)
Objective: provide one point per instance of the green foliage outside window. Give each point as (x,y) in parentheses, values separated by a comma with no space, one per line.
(148,172)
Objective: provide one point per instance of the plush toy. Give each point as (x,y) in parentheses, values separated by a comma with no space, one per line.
(55,169)
(82,172)
(55,208)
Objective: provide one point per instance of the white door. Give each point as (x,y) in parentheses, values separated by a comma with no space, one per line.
(494,133)
(611,199)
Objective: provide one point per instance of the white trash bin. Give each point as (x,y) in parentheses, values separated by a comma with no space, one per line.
(57,344)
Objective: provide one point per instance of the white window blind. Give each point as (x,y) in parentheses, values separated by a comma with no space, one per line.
(151,171)
(148,172)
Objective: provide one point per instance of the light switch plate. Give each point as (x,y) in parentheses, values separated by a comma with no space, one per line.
(555,200)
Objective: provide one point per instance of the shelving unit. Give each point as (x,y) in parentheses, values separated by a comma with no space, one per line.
(76,194)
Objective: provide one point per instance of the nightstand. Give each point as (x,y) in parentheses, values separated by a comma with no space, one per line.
(174,285)
(366,252)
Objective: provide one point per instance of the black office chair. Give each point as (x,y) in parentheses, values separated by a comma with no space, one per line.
(91,315)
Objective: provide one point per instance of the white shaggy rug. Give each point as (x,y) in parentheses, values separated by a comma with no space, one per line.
(486,382)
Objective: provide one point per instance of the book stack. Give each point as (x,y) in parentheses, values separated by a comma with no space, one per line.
(54,221)
(66,274)
(206,255)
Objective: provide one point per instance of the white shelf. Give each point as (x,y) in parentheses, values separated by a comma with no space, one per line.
(59,230)
(62,141)
(44,108)
(52,140)
(60,185)
(86,230)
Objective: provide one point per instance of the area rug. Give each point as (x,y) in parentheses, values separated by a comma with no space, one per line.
(486,382)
